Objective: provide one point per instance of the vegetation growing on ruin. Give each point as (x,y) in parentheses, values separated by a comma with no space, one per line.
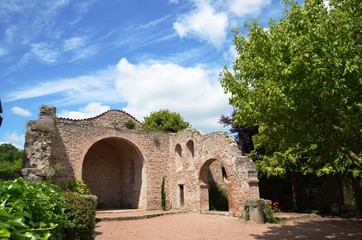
(42,126)
(130,124)
(164,120)
(218,197)
(163,194)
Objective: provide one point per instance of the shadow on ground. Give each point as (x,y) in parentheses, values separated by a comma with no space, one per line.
(325,228)
(97,233)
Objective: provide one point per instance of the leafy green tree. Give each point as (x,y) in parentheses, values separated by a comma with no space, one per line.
(10,160)
(9,152)
(164,120)
(300,82)
(242,134)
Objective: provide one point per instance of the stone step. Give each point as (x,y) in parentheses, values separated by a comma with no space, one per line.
(122,215)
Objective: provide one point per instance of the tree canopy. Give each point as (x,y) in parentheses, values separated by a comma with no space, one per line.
(164,120)
(300,82)
(10,160)
(242,134)
(9,152)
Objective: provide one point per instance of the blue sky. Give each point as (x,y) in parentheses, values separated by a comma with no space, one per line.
(88,56)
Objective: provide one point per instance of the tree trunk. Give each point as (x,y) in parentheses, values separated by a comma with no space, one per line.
(294,194)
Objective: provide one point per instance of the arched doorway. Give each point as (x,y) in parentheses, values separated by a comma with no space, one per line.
(112,168)
(213,186)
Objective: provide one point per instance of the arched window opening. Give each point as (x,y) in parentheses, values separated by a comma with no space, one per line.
(190,146)
(178,150)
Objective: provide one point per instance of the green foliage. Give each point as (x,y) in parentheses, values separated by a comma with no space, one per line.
(10,153)
(81,215)
(130,124)
(218,198)
(8,169)
(43,126)
(300,82)
(163,195)
(76,186)
(31,210)
(269,211)
(10,160)
(165,120)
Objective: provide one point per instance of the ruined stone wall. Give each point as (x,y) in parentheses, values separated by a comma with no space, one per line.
(210,150)
(125,167)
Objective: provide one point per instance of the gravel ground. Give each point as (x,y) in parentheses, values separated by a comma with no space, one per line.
(193,226)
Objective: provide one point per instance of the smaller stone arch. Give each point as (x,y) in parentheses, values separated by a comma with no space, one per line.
(213,186)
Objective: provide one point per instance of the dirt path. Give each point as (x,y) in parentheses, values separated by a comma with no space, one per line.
(199,227)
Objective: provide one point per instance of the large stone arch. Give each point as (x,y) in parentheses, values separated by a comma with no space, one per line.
(113,169)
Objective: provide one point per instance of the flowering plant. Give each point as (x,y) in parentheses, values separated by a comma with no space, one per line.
(270,208)
(274,206)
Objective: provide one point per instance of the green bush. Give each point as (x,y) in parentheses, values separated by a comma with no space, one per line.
(76,185)
(130,124)
(31,210)
(81,215)
(80,210)
(269,212)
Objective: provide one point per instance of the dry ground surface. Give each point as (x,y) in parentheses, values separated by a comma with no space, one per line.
(193,226)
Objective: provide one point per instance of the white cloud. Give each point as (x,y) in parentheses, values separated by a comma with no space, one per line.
(73,43)
(193,92)
(203,22)
(10,33)
(44,52)
(21,111)
(15,139)
(99,86)
(3,52)
(247,7)
(211,20)
(84,53)
(90,110)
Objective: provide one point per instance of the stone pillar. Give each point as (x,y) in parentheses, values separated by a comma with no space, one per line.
(255,209)
(38,146)
(204,197)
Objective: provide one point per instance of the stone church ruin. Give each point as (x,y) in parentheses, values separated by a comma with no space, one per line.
(124,167)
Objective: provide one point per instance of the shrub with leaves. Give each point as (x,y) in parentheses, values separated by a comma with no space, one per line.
(31,210)
(130,124)
(76,185)
(269,210)
(80,209)
(81,215)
